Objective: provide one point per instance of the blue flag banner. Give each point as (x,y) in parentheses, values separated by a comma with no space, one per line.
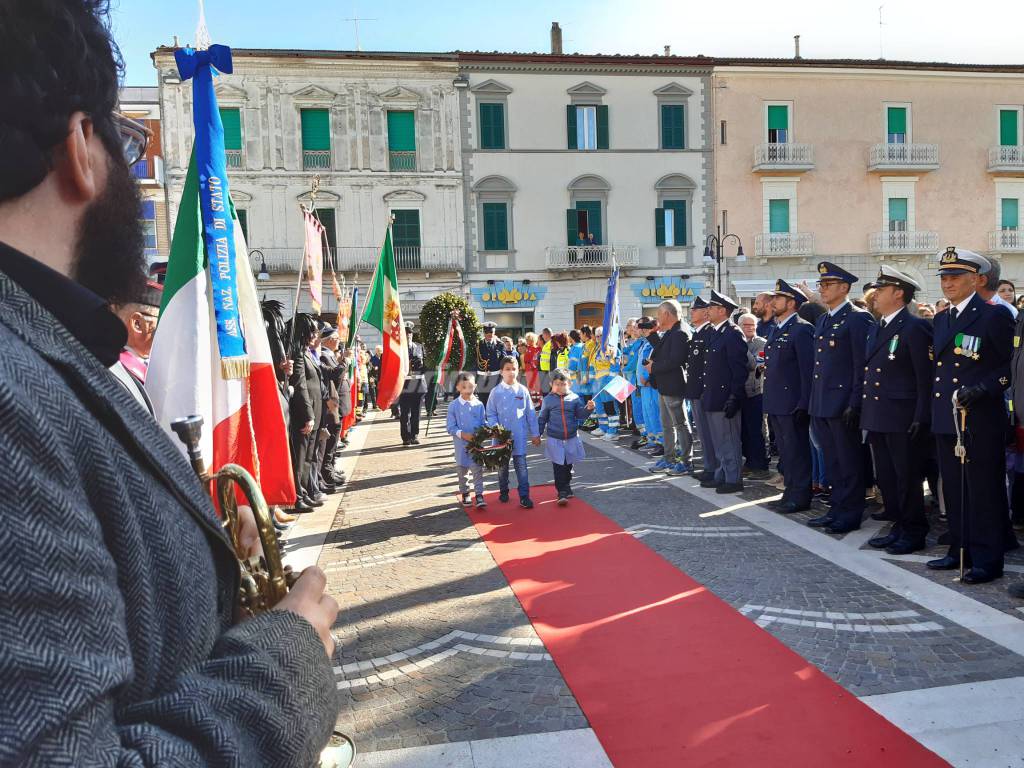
(218,228)
(611,315)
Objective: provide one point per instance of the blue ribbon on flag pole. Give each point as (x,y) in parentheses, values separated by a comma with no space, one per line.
(611,313)
(218,228)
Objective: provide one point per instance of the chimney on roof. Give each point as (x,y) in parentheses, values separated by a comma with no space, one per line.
(556,37)
(796,42)
(176,42)
(668,50)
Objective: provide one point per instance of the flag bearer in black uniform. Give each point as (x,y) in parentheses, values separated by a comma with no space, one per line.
(896,409)
(840,337)
(788,359)
(489,351)
(972,346)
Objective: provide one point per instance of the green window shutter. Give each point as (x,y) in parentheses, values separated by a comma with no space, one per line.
(778,117)
(572,231)
(570,126)
(602,126)
(401,131)
(897,209)
(316,130)
(492,126)
(326,216)
(495,226)
(406,229)
(593,209)
(897,120)
(1008,127)
(1010,213)
(659,226)
(232,120)
(243,221)
(778,215)
(672,122)
(679,218)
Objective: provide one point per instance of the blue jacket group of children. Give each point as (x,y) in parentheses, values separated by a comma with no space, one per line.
(509,405)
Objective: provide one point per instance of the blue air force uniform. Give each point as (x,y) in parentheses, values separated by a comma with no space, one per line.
(896,412)
(725,378)
(789,359)
(488,362)
(840,339)
(973,345)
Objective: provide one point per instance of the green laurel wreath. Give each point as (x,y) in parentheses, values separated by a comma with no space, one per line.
(491,447)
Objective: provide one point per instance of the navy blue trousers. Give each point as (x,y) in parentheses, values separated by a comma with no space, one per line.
(752,433)
(794,458)
(844,464)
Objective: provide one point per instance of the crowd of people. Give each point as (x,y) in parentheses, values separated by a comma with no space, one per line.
(857,396)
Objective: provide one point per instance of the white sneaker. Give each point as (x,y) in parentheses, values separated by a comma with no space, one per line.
(597,432)
(608,436)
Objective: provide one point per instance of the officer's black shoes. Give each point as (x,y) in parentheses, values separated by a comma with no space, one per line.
(882,517)
(702,475)
(789,507)
(729,487)
(841,528)
(562,501)
(480,503)
(981,576)
(947,563)
(881,542)
(503,497)
(301,505)
(526,502)
(1016,590)
(821,522)
(709,483)
(905,547)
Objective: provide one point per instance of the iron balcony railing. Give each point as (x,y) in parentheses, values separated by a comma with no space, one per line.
(904,242)
(912,156)
(592,256)
(316,160)
(402,161)
(1006,240)
(234,158)
(1008,158)
(771,244)
(784,156)
(428,258)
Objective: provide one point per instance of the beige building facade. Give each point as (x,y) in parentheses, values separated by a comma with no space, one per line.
(862,163)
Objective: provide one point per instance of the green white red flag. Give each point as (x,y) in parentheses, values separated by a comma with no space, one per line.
(383,311)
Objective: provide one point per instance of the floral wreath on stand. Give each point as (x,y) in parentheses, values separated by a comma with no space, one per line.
(490,447)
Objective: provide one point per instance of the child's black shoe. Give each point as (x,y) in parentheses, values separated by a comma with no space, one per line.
(465,499)
(526,502)
(480,503)
(503,497)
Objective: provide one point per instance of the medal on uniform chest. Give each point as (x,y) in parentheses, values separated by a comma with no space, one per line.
(832,342)
(892,346)
(958,341)
(968,346)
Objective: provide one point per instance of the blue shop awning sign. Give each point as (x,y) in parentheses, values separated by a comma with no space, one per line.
(662,288)
(509,294)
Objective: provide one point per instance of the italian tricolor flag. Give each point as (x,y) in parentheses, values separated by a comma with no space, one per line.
(383,311)
(243,418)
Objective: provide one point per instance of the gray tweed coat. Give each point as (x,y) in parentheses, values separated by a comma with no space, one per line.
(117,585)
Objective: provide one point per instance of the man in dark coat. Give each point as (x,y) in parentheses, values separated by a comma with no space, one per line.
(725,379)
(306,411)
(489,351)
(836,389)
(119,643)
(788,359)
(973,345)
(666,369)
(694,384)
(411,400)
(896,410)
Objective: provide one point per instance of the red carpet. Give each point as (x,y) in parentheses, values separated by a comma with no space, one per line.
(667,673)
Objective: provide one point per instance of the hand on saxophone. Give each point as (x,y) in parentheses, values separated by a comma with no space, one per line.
(307,599)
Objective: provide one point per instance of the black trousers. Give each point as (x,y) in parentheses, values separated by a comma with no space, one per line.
(794,442)
(752,433)
(899,471)
(844,464)
(563,478)
(986,518)
(299,444)
(409,404)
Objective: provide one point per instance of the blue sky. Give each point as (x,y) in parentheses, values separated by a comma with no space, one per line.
(985,31)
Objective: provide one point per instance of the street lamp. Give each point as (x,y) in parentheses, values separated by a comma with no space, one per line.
(263,275)
(713,250)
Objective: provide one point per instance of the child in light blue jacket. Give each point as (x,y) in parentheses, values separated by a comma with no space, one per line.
(466,416)
(561,413)
(509,405)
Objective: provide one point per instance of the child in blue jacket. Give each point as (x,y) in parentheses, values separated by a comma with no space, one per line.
(509,405)
(466,416)
(561,413)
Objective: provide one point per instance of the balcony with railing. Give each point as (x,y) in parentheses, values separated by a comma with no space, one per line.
(784,157)
(1006,241)
(316,159)
(903,242)
(581,257)
(234,158)
(903,157)
(149,170)
(784,244)
(426,258)
(1006,159)
(401,161)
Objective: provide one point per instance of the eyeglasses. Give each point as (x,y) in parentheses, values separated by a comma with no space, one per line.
(134,137)
(827,283)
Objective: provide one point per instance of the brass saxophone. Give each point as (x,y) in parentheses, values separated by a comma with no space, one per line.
(264,579)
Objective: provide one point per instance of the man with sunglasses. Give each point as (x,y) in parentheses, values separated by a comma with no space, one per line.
(119,643)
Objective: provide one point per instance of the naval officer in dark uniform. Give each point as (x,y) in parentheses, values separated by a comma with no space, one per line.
(896,409)
(725,378)
(840,344)
(973,345)
(788,360)
(489,352)
(693,370)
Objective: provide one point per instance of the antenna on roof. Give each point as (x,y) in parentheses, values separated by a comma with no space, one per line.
(881,53)
(355,19)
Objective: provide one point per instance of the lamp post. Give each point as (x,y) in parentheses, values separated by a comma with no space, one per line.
(263,275)
(713,250)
